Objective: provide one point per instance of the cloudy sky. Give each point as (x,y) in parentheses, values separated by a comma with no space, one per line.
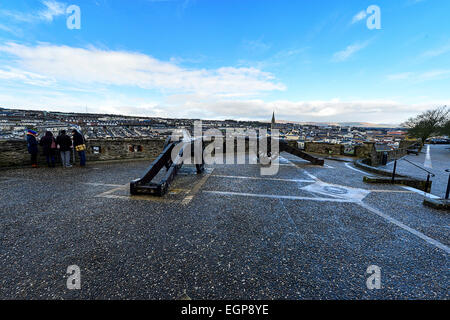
(219,59)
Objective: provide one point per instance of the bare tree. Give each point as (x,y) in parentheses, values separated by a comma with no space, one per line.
(445,129)
(428,124)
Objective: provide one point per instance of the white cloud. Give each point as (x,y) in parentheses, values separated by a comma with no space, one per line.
(359,16)
(436,52)
(349,51)
(10,73)
(255,46)
(400,76)
(421,76)
(378,111)
(53,9)
(5,28)
(214,107)
(106,67)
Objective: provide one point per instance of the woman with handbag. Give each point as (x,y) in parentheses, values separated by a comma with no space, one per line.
(80,146)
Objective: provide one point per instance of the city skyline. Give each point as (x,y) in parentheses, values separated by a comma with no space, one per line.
(308,62)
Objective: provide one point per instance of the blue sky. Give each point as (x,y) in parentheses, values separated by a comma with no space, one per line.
(219,59)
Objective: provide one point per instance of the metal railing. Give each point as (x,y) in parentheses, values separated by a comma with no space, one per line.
(429,173)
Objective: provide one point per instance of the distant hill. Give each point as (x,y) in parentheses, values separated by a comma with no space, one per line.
(345,124)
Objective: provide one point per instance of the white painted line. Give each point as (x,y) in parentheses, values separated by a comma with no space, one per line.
(405,227)
(306,172)
(425,194)
(275,196)
(354,169)
(103,184)
(310,175)
(196,189)
(427,163)
(390,191)
(187,199)
(260,178)
(107,193)
(328,166)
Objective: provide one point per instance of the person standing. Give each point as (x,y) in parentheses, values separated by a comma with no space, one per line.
(32,146)
(64,144)
(80,146)
(48,144)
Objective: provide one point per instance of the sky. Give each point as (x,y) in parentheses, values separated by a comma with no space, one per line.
(323,60)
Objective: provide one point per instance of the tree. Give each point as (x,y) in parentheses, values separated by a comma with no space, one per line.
(445,129)
(428,124)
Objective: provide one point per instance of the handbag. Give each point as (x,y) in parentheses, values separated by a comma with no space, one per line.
(80,147)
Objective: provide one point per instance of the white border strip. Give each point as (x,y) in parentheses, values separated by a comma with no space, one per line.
(423,193)
(275,196)
(360,171)
(405,227)
(260,178)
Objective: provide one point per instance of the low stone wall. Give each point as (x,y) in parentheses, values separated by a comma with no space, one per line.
(365,165)
(15,154)
(385,176)
(410,182)
(324,148)
(440,204)
(377,156)
(360,151)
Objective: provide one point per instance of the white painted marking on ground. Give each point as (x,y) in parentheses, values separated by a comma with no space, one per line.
(405,227)
(390,191)
(106,194)
(103,184)
(427,163)
(360,171)
(338,191)
(328,166)
(260,178)
(306,172)
(275,196)
(310,175)
(425,194)
(196,189)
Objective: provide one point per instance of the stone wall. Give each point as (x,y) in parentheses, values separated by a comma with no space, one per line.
(377,156)
(14,153)
(362,151)
(324,148)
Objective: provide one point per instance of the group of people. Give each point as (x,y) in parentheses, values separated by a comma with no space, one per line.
(51,146)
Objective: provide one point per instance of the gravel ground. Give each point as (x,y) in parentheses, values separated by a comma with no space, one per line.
(218,246)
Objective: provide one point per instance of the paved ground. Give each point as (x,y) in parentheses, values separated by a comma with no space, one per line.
(307,233)
(434,158)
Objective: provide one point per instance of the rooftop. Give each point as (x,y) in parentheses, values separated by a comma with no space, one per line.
(309,232)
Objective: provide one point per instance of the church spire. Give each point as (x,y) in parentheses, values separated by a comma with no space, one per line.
(273,118)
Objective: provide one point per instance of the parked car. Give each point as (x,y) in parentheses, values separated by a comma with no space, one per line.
(439,141)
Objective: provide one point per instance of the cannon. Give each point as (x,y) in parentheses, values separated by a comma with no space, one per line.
(146,185)
(173,154)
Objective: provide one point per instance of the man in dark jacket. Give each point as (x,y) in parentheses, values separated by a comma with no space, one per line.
(80,146)
(48,144)
(32,146)
(64,144)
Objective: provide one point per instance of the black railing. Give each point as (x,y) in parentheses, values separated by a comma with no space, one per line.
(429,173)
